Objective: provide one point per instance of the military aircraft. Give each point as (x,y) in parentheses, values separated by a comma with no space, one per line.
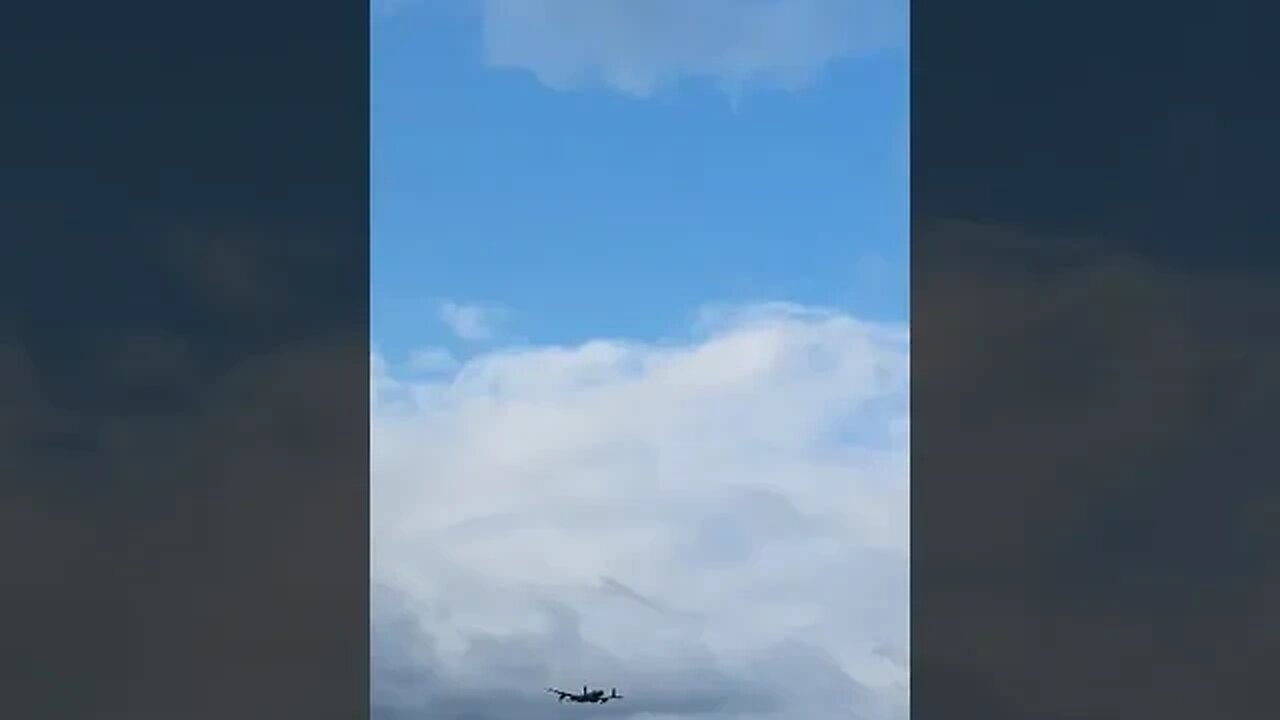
(586,696)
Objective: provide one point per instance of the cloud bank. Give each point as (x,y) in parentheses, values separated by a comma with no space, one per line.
(637,47)
(717,525)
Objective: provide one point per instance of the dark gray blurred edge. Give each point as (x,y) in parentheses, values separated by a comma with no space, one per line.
(184,361)
(1095,379)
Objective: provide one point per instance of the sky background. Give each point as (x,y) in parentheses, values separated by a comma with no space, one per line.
(640,390)
(594,210)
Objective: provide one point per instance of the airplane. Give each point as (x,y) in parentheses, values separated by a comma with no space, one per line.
(586,696)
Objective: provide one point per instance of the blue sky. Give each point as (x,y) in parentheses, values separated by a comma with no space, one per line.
(589,211)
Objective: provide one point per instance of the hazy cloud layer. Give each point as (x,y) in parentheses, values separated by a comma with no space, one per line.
(639,46)
(718,525)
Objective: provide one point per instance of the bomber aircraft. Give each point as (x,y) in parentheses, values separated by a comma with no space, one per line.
(586,696)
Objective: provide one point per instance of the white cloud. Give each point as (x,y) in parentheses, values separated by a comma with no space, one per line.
(717,526)
(639,46)
(467,321)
